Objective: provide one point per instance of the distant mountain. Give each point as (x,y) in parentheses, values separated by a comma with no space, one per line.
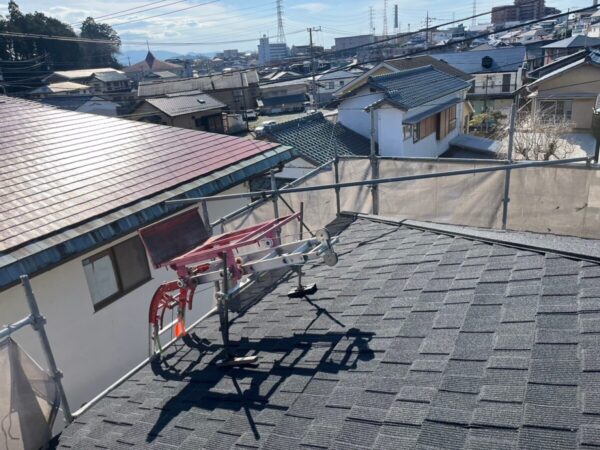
(136,56)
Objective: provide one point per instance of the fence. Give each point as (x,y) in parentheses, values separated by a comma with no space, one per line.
(559,197)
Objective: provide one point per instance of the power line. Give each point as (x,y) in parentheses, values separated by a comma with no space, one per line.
(164,14)
(141,8)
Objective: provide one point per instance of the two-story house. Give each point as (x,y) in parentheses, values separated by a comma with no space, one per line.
(330,83)
(569,91)
(497,74)
(415,112)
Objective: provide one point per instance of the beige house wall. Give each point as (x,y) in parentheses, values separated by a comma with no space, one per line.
(581,85)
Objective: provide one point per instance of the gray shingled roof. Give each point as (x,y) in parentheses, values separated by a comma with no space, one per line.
(110,76)
(415,339)
(315,137)
(578,41)
(176,106)
(412,62)
(504,59)
(415,87)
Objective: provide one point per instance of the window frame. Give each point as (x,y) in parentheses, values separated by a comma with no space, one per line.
(407,132)
(121,292)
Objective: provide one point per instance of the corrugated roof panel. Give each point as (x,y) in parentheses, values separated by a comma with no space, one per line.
(59,168)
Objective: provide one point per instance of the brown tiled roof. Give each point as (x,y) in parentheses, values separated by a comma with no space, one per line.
(60,168)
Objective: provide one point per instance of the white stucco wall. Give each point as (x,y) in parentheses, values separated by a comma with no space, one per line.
(94,349)
(391,136)
(351,112)
(389,133)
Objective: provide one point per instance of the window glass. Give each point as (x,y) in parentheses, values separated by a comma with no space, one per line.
(132,263)
(407,131)
(101,277)
(112,273)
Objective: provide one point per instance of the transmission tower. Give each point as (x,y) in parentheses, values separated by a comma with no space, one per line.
(385,8)
(371,23)
(473,20)
(280,31)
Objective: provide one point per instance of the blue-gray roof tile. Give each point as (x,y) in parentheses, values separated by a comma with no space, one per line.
(316,138)
(415,87)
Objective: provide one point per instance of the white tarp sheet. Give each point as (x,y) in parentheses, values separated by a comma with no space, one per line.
(29,400)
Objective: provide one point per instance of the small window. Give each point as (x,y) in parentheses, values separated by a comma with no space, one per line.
(341,82)
(116,271)
(407,131)
(331,85)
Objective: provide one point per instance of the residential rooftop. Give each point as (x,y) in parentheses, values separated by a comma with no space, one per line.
(317,138)
(577,41)
(412,62)
(503,59)
(416,87)
(422,336)
(180,105)
(94,193)
(82,73)
(62,86)
(205,83)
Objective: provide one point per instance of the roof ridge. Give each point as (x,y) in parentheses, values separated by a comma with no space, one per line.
(401,73)
(308,118)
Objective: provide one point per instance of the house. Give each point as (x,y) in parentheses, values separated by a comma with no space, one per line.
(77,76)
(60,88)
(317,139)
(568,46)
(196,112)
(72,202)
(284,96)
(569,92)
(497,74)
(83,103)
(109,82)
(331,82)
(399,64)
(427,102)
(423,337)
(238,90)
(149,66)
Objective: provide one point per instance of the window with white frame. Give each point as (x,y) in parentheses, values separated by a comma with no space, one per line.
(407,129)
(114,272)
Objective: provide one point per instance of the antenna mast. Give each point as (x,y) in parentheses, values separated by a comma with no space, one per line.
(280,31)
(473,21)
(371,23)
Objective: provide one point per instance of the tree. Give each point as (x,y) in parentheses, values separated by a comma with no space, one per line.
(58,54)
(540,135)
(99,55)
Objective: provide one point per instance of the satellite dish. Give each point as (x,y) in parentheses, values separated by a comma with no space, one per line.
(487,62)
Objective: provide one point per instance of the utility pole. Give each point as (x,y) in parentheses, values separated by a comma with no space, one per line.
(427,30)
(312,66)
(371,24)
(473,21)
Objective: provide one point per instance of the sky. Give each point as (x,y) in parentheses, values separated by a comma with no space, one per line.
(206,26)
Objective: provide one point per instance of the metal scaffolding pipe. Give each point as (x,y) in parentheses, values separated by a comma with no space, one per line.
(321,187)
(38,322)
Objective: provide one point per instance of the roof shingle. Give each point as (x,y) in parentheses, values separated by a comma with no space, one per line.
(340,371)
